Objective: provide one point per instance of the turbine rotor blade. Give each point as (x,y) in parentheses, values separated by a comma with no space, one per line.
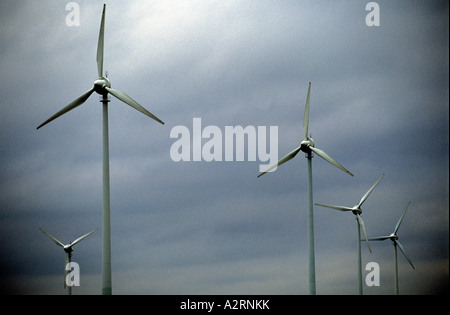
(328,158)
(369,192)
(128,100)
(401,219)
(82,237)
(288,157)
(80,100)
(363,228)
(340,208)
(100,45)
(52,238)
(379,238)
(306,115)
(404,253)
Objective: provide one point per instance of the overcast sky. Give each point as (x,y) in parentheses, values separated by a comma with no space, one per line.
(379,105)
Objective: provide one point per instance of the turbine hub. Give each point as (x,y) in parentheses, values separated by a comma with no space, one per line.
(306,143)
(99,85)
(393,236)
(356,211)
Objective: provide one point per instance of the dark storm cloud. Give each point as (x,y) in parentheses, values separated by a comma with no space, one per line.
(379,104)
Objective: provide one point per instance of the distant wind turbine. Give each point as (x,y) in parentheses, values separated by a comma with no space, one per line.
(103,86)
(394,238)
(307,145)
(356,210)
(68,250)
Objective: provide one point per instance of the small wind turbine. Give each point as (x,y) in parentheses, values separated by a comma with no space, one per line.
(356,210)
(103,86)
(68,250)
(394,238)
(307,145)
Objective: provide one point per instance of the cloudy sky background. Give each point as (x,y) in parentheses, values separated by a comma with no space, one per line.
(379,104)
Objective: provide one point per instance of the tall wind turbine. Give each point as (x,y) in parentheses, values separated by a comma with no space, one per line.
(394,238)
(68,250)
(307,145)
(103,86)
(356,210)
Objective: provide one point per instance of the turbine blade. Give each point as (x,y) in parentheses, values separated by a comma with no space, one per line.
(328,158)
(404,253)
(401,219)
(80,100)
(128,100)
(363,228)
(306,115)
(288,157)
(52,238)
(379,238)
(100,45)
(340,208)
(369,192)
(82,237)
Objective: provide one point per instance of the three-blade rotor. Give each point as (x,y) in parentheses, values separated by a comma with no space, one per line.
(356,210)
(102,85)
(394,237)
(67,248)
(306,145)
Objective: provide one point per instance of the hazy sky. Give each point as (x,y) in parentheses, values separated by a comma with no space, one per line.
(379,105)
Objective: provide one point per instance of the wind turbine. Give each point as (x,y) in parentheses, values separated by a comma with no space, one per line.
(356,210)
(394,238)
(103,87)
(68,250)
(307,145)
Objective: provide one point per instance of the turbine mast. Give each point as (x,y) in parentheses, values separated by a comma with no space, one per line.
(396,270)
(106,213)
(312,266)
(358,246)
(69,259)
(102,86)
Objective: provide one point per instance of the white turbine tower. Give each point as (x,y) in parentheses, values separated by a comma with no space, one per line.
(394,238)
(307,146)
(102,86)
(356,210)
(68,250)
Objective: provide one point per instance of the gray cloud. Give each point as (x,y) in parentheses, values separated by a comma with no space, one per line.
(379,104)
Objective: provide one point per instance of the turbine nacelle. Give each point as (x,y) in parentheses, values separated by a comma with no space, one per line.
(393,237)
(306,144)
(356,210)
(68,248)
(100,84)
